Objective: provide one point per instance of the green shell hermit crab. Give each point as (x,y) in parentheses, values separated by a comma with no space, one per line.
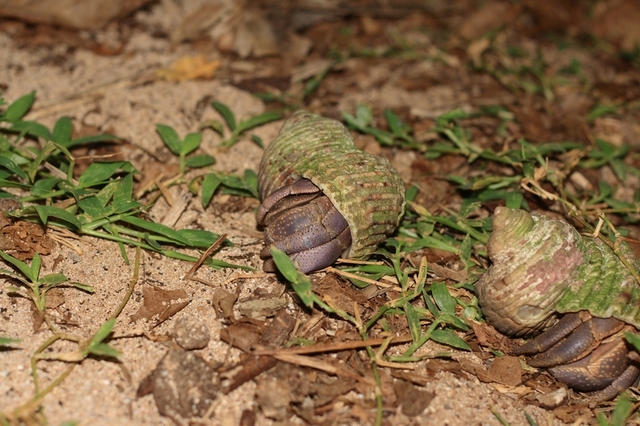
(322,198)
(546,277)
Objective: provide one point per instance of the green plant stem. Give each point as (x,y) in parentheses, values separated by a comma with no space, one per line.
(132,285)
(423,339)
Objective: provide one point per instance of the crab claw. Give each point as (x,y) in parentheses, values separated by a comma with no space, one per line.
(301,221)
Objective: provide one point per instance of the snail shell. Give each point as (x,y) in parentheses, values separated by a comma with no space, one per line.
(542,267)
(364,188)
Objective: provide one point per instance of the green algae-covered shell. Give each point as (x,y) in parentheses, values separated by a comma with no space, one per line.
(365,188)
(542,267)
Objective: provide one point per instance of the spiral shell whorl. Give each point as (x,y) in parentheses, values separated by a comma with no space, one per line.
(542,267)
(518,294)
(364,188)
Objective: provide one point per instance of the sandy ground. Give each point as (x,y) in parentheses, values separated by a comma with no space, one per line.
(118,95)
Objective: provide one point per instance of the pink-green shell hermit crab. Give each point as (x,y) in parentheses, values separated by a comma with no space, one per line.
(323,198)
(547,277)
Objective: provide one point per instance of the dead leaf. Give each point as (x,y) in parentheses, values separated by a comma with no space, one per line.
(242,335)
(223,302)
(190,68)
(22,239)
(491,15)
(161,302)
(569,413)
(505,370)
(274,336)
(553,399)
(84,14)
(257,307)
(201,19)
(558,16)
(254,36)
(618,22)
(490,337)
(341,294)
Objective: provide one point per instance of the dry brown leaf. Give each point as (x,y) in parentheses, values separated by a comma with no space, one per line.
(203,18)
(489,336)
(489,16)
(223,302)
(506,370)
(254,36)
(190,68)
(85,14)
(23,239)
(259,307)
(161,302)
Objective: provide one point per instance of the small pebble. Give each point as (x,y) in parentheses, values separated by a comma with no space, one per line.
(190,333)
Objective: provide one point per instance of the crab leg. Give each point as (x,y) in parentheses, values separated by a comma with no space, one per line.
(582,340)
(597,370)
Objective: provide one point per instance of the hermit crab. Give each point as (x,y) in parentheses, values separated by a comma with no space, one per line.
(323,198)
(546,276)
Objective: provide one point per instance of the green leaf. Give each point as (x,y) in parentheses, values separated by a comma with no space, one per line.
(31,128)
(44,212)
(99,173)
(600,110)
(619,169)
(364,114)
(93,208)
(257,140)
(96,345)
(123,196)
(158,229)
(300,282)
(62,131)
(22,267)
(51,280)
(4,341)
(169,137)
(215,125)
(199,238)
(102,349)
(42,156)
(259,120)
(209,185)
(226,113)
(191,143)
(81,286)
(19,107)
(103,332)
(105,137)
(632,338)
(447,337)
(465,250)
(201,160)
(395,124)
(36,263)
(251,180)
(361,120)
(43,186)
(9,164)
(443,299)
(413,319)
(622,411)
(514,200)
